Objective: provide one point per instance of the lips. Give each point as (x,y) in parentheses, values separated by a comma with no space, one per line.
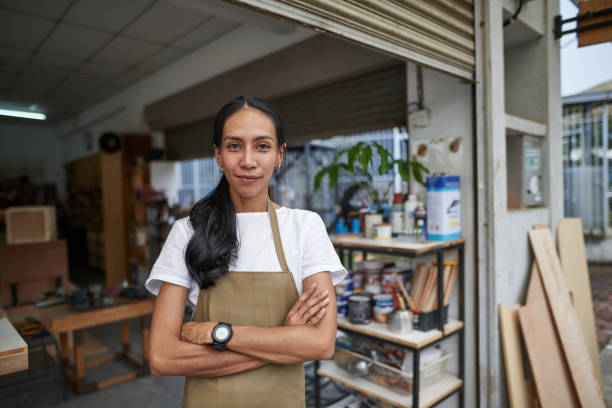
(248,179)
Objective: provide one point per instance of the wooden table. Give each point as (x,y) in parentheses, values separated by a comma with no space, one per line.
(63,321)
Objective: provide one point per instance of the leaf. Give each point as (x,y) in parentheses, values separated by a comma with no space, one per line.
(319,177)
(333,176)
(417,168)
(417,164)
(365,157)
(403,169)
(338,155)
(353,154)
(386,163)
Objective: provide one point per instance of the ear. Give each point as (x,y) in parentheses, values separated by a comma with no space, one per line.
(281,153)
(218,156)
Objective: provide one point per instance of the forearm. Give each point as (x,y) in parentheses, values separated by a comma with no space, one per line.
(195,360)
(284,344)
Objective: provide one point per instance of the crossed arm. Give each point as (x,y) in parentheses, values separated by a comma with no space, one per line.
(185,349)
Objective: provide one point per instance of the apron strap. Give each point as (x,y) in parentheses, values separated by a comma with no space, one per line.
(278,245)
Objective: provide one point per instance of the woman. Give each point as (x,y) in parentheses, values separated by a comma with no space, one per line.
(243,262)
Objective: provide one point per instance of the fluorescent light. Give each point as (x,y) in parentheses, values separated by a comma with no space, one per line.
(23,114)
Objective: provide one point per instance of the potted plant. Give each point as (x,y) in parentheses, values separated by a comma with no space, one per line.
(362,154)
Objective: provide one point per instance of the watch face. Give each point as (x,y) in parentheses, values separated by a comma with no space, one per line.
(222,333)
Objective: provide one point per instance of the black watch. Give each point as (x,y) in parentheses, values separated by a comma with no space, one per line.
(221,334)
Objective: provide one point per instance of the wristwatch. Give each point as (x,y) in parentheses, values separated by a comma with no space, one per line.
(221,334)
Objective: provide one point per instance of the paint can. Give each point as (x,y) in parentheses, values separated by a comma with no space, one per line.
(359,311)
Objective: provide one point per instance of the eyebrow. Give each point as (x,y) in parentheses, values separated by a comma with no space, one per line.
(241,139)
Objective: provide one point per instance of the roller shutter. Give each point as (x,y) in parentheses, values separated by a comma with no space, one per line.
(364,102)
(435,33)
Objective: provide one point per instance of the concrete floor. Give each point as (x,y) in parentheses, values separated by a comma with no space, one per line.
(148,391)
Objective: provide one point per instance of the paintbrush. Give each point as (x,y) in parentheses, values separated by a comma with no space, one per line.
(403,289)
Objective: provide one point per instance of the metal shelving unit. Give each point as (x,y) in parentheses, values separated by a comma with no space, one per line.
(415,341)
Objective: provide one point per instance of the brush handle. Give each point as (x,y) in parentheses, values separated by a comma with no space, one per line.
(403,289)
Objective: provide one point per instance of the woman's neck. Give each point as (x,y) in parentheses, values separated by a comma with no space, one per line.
(251,204)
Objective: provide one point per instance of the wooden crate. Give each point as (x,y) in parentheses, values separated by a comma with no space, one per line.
(26,225)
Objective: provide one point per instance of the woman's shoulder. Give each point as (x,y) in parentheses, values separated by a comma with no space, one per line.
(183,227)
(304,219)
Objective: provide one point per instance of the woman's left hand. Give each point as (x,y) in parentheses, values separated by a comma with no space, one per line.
(197,332)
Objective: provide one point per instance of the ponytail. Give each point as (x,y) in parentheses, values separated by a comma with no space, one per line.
(214,243)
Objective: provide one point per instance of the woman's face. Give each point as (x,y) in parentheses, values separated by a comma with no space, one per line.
(249,152)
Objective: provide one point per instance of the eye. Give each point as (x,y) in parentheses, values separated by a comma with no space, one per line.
(263,146)
(232,146)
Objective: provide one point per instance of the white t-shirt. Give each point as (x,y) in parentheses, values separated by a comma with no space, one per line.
(306,244)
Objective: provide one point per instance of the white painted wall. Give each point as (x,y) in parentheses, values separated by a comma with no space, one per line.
(450,102)
(34,141)
(165,177)
(236,48)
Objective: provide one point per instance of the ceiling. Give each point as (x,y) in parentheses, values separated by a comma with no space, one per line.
(63,56)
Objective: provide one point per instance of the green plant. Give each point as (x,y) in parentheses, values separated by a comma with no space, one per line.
(362,154)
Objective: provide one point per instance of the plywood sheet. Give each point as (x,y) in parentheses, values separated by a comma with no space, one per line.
(566,319)
(13,349)
(570,243)
(520,390)
(551,373)
(30,224)
(33,267)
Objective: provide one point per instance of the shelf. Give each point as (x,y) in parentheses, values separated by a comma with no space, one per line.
(414,339)
(392,245)
(428,396)
(516,125)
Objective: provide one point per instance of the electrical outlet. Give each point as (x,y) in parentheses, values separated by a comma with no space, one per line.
(420,118)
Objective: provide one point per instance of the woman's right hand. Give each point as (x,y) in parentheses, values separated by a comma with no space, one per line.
(308,309)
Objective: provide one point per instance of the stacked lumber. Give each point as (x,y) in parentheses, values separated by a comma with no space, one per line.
(550,332)
(425,284)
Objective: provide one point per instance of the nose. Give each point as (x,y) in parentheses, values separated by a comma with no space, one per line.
(248,159)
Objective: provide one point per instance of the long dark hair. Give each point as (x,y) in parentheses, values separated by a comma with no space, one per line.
(214,244)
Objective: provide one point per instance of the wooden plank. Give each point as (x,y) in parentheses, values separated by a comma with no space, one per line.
(570,243)
(415,338)
(520,390)
(114,214)
(63,319)
(566,319)
(598,35)
(427,397)
(392,245)
(551,373)
(13,349)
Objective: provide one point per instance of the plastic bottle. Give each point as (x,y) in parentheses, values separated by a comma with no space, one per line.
(409,207)
(397,215)
(420,220)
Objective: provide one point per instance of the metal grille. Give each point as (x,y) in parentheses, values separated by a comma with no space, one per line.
(587,163)
(294,185)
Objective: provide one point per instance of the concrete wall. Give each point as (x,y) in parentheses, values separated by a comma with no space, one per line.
(450,102)
(530,71)
(23,142)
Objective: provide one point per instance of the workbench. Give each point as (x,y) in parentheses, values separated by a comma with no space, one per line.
(69,325)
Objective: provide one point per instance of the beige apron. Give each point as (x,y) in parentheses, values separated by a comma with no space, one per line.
(250,299)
